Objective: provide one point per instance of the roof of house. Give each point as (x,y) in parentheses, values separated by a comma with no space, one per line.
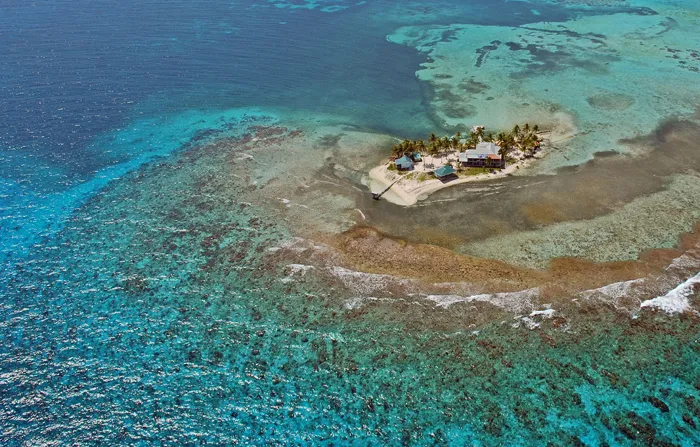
(483,150)
(404,160)
(444,171)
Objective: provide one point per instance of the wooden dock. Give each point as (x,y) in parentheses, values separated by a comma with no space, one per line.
(378,195)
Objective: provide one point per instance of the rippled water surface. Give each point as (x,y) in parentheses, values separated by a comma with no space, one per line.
(188,254)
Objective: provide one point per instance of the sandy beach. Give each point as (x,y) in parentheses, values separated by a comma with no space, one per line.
(419,183)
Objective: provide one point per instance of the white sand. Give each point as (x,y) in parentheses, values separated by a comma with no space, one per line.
(408,191)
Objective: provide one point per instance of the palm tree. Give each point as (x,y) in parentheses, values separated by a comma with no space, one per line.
(532,144)
(527,143)
(408,145)
(433,151)
(501,138)
(445,144)
(420,145)
(473,139)
(516,131)
(480,132)
(507,142)
(488,138)
(510,141)
(504,151)
(535,128)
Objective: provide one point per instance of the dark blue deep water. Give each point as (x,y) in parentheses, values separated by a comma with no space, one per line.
(120,325)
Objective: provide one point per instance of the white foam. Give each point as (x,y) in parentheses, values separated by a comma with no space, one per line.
(513,301)
(448,300)
(615,290)
(294,271)
(528,322)
(298,245)
(357,302)
(677,300)
(531,322)
(364,284)
(686,260)
(546,313)
(299,268)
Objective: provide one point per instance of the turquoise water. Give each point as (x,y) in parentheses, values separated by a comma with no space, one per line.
(153,317)
(147,293)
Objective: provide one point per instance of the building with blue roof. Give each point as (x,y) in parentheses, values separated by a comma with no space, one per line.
(404,163)
(444,171)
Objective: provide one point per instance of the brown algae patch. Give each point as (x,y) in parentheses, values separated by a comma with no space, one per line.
(317,195)
(611,208)
(367,250)
(427,286)
(542,213)
(653,221)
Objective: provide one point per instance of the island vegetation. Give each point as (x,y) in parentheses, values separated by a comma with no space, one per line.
(407,176)
(522,141)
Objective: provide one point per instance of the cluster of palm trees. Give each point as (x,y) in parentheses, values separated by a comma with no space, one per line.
(434,146)
(524,138)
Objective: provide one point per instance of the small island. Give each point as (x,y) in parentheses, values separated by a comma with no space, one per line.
(416,169)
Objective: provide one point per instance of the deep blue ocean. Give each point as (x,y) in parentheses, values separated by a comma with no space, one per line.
(118,326)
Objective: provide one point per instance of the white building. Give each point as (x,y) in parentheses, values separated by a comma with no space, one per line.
(485,154)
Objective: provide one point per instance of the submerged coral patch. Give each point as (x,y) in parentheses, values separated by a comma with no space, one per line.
(610,101)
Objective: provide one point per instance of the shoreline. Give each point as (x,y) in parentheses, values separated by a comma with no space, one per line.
(408,190)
